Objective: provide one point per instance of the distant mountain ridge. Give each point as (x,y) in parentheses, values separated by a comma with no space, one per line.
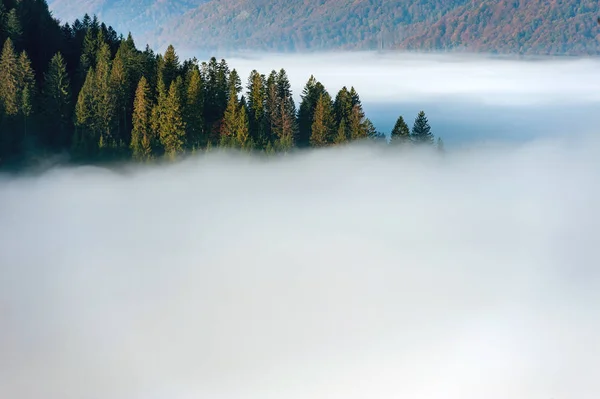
(543,27)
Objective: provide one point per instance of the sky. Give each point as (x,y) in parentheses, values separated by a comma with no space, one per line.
(350,272)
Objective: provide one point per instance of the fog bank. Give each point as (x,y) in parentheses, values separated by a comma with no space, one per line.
(342,273)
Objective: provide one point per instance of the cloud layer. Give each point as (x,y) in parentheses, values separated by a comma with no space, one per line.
(413,77)
(342,273)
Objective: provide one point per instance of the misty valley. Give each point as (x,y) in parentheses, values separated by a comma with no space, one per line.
(344,222)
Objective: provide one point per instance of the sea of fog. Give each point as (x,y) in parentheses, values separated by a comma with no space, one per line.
(353,272)
(466,97)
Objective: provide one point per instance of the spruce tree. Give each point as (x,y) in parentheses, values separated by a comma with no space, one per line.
(85,140)
(357,123)
(309,97)
(57,103)
(172,126)
(400,133)
(141,133)
(9,79)
(193,110)
(421,131)
(256,94)
(322,126)
(230,118)
(242,137)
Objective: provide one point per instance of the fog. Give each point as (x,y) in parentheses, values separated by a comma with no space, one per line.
(342,273)
(467,97)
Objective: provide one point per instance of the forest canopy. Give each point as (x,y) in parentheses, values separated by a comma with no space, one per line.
(84,90)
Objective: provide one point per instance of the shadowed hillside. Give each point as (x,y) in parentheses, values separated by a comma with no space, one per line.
(498,26)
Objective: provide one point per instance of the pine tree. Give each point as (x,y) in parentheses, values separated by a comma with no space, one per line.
(141,134)
(421,131)
(230,118)
(9,79)
(57,103)
(193,110)
(243,139)
(400,133)
(170,67)
(286,123)
(172,126)
(256,95)
(357,123)
(322,126)
(309,97)
(85,140)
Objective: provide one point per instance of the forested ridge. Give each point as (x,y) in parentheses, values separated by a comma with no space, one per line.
(83,90)
(542,27)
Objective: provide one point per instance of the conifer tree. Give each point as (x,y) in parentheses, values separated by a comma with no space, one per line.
(256,93)
(103,99)
(357,123)
(85,140)
(141,134)
(57,103)
(323,121)
(421,131)
(172,126)
(193,109)
(400,133)
(243,139)
(309,97)
(230,118)
(170,66)
(286,123)
(9,79)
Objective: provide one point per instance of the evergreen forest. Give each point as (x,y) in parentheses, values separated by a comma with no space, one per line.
(83,90)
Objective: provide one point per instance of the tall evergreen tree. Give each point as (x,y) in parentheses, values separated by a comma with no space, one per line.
(194,109)
(172,126)
(323,122)
(286,124)
(309,97)
(421,131)
(141,134)
(9,79)
(256,95)
(356,126)
(57,103)
(400,133)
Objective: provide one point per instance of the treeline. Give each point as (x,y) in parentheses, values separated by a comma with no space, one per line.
(101,99)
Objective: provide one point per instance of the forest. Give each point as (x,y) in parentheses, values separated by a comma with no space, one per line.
(83,90)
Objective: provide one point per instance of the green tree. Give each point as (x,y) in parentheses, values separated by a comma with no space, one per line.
(256,94)
(356,126)
(141,133)
(172,126)
(309,97)
(193,109)
(400,133)
(421,131)
(9,79)
(57,103)
(323,122)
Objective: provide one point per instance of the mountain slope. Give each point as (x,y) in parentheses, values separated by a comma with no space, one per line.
(140,17)
(504,26)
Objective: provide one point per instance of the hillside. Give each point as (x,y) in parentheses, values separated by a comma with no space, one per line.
(140,17)
(504,26)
